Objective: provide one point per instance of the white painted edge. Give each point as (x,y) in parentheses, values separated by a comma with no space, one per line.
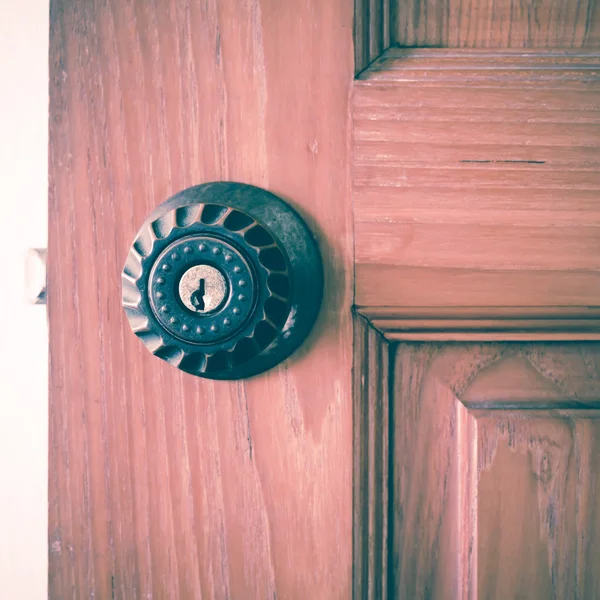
(24,26)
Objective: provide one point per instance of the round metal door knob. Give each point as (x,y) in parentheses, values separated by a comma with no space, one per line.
(223,280)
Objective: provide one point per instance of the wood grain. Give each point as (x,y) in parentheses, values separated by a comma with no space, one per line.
(372,469)
(412,287)
(475,179)
(538,476)
(372,30)
(162,485)
(496,23)
(492,501)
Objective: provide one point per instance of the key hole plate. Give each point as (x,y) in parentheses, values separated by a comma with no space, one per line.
(203,289)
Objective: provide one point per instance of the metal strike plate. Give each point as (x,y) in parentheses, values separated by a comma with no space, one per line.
(223,280)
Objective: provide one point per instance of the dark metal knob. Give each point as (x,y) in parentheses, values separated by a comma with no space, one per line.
(224,280)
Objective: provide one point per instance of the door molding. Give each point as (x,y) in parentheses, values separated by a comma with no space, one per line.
(372,460)
(484,324)
(372,31)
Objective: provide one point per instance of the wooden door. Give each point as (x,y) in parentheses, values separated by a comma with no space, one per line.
(163,485)
(452,191)
(477,246)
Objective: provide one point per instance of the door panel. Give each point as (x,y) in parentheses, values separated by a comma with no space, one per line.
(538,525)
(379,24)
(496,458)
(496,24)
(163,485)
(475,178)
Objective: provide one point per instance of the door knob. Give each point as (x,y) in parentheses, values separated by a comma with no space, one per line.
(223,280)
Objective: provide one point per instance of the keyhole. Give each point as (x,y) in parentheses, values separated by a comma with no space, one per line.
(197,298)
(202,289)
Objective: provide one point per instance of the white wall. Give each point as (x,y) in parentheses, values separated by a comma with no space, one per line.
(23,329)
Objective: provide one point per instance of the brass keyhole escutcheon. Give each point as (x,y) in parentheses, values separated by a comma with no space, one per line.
(203,289)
